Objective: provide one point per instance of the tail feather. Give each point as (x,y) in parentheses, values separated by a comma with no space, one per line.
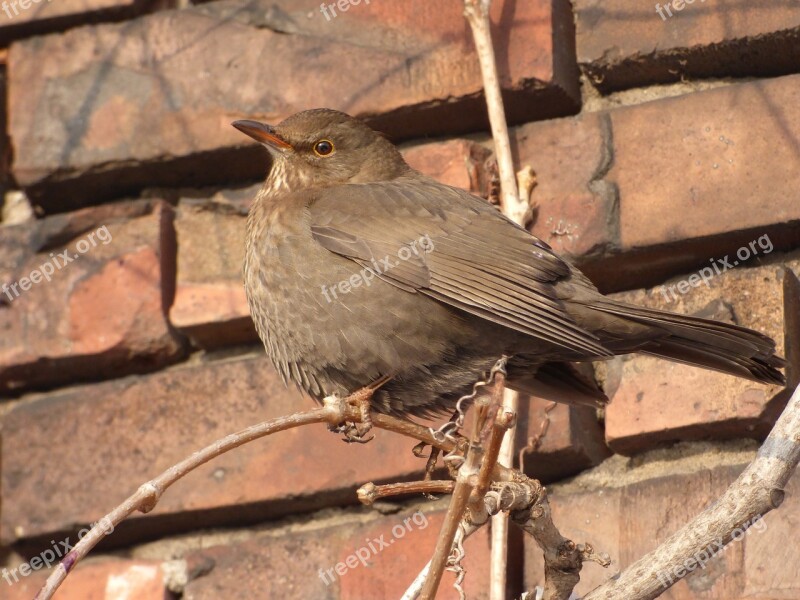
(691,353)
(711,344)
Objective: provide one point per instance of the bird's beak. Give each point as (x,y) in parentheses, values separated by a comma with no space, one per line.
(263,133)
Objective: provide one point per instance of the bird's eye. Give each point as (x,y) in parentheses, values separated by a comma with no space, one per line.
(323,148)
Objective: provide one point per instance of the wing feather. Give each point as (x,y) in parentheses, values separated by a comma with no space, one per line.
(479,261)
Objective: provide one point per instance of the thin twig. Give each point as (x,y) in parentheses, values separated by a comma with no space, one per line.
(514,203)
(519,494)
(498,564)
(500,427)
(477,14)
(467,475)
(369,493)
(466,481)
(415,589)
(535,441)
(758,490)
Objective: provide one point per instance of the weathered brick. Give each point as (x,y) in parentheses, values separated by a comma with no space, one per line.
(575,207)
(572,441)
(130,120)
(99,315)
(96,579)
(460,163)
(627,513)
(709,162)
(294,564)
(660,401)
(210,304)
(630,216)
(35,17)
(625,43)
(15,246)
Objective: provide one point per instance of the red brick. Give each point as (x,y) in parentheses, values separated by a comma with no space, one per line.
(100,315)
(132,121)
(709,162)
(210,306)
(21,240)
(97,579)
(625,43)
(573,439)
(660,401)
(16,242)
(460,163)
(288,565)
(638,508)
(43,16)
(575,208)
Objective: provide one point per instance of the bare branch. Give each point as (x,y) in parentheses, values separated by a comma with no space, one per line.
(514,204)
(477,14)
(415,589)
(758,490)
(468,477)
(563,558)
(369,493)
(504,421)
(519,494)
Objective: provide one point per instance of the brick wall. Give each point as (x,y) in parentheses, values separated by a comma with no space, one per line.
(664,138)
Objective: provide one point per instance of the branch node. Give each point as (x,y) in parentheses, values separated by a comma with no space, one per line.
(336,408)
(776,496)
(151,494)
(366,493)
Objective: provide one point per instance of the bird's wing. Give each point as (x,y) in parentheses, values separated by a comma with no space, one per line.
(452,246)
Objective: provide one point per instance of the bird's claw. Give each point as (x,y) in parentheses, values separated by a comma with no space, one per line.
(353,432)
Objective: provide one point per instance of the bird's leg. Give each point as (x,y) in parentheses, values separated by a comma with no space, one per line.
(355,433)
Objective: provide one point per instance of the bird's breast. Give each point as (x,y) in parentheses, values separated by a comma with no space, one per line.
(327,323)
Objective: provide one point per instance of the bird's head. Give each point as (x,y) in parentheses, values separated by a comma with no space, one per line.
(324,147)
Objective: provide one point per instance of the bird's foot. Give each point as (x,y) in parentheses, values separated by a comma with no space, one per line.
(355,433)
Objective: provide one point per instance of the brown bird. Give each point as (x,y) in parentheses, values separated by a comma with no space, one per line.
(361,272)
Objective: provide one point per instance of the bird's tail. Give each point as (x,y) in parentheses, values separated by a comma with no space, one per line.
(702,342)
